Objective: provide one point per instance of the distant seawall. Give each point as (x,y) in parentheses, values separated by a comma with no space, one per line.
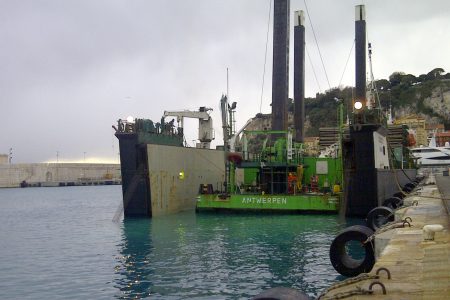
(11,175)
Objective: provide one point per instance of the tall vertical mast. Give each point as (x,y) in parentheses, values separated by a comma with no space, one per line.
(299,76)
(360,54)
(280,72)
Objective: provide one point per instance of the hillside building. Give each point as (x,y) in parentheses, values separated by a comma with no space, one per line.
(4,159)
(434,128)
(442,138)
(417,124)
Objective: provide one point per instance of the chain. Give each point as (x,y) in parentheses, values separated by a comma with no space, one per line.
(357,291)
(414,203)
(387,227)
(348,281)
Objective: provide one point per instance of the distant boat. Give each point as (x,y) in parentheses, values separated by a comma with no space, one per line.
(432,156)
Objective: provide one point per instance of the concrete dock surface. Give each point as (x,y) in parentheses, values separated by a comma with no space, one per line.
(420,269)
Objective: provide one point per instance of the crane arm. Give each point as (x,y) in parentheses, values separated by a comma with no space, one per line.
(202,114)
(234,136)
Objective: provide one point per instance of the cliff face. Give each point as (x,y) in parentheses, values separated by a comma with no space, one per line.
(439,102)
(427,95)
(430,101)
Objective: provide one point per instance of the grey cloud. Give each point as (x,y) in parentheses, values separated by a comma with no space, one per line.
(69,69)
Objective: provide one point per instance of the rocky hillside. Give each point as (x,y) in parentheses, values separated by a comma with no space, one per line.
(427,95)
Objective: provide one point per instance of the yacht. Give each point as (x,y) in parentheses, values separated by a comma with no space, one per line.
(431,155)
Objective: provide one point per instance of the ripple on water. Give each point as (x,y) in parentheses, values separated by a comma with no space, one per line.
(61,243)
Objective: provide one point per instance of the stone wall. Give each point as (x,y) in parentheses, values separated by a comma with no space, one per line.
(48,173)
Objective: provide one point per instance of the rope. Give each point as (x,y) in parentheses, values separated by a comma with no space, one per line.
(386,227)
(357,291)
(317,44)
(403,171)
(346,63)
(312,66)
(265,56)
(395,173)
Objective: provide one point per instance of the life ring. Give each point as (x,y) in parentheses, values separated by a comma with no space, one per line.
(379,216)
(282,293)
(393,202)
(342,262)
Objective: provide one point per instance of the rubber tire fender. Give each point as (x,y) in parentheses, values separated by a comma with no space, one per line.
(399,195)
(379,216)
(407,189)
(393,202)
(411,185)
(345,264)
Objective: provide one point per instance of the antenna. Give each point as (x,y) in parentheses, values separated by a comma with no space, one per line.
(228,87)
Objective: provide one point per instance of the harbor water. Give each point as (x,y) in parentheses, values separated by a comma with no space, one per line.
(62,243)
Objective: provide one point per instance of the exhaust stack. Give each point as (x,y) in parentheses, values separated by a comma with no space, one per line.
(280,70)
(299,75)
(360,54)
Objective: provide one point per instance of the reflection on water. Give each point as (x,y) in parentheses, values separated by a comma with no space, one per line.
(133,264)
(211,256)
(60,243)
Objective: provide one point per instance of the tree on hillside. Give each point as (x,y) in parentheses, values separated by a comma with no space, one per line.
(383,84)
(408,79)
(422,78)
(435,73)
(396,78)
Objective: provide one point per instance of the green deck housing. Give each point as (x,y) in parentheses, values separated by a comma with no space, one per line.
(271,174)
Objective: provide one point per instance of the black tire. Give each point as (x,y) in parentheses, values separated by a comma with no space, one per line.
(393,202)
(407,189)
(281,293)
(345,264)
(399,195)
(411,185)
(379,216)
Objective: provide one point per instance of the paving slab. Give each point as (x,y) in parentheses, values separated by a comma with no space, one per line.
(420,269)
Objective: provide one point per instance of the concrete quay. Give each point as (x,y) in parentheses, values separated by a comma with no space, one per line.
(56,174)
(419,268)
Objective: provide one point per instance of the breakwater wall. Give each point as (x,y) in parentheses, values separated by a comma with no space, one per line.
(54,174)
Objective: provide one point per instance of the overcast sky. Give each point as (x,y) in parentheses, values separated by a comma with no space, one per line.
(70,69)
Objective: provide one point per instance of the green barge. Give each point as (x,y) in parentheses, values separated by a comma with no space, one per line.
(267,170)
(277,178)
(321,203)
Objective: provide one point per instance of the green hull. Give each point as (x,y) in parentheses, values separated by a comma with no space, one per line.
(279,203)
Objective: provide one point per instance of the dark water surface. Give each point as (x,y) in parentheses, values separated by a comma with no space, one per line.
(61,243)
